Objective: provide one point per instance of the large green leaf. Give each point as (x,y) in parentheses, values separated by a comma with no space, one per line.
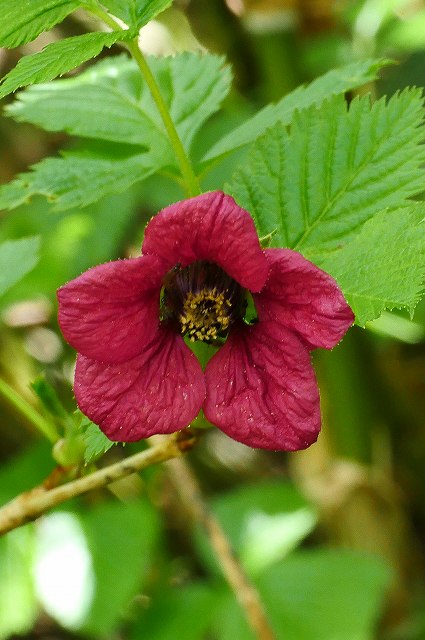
(337,81)
(167,616)
(23,20)
(17,258)
(18,602)
(78,179)
(121,539)
(319,595)
(97,109)
(315,595)
(136,13)
(383,267)
(110,101)
(264,522)
(25,470)
(73,241)
(316,185)
(56,59)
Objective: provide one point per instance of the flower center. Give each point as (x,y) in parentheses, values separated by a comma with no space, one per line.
(202,300)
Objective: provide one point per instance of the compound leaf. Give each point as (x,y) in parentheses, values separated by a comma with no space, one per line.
(383,267)
(23,20)
(317,184)
(314,188)
(136,13)
(110,101)
(335,82)
(76,180)
(57,58)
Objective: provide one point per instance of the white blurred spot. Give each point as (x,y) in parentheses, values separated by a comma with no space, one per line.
(63,570)
(43,344)
(27,313)
(397,327)
(171,33)
(268,538)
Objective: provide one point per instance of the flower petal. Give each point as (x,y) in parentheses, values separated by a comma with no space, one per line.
(209,227)
(111,312)
(303,298)
(262,391)
(160,391)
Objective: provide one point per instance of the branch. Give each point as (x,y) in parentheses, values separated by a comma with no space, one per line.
(248,597)
(30,505)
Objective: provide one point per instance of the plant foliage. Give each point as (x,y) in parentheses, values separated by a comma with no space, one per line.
(316,184)
(23,20)
(17,258)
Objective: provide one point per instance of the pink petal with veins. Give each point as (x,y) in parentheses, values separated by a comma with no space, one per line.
(302,297)
(210,227)
(111,312)
(262,391)
(160,391)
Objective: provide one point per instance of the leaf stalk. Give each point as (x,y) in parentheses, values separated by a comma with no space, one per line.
(42,425)
(191,181)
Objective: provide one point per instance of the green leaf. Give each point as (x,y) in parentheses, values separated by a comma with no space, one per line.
(319,595)
(318,183)
(264,522)
(193,85)
(95,440)
(25,470)
(167,616)
(23,20)
(315,595)
(337,81)
(136,13)
(110,101)
(57,58)
(383,267)
(17,583)
(73,241)
(121,539)
(48,397)
(17,258)
(77,180)
(106,102)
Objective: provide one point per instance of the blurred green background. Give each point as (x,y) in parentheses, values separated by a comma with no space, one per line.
(334,537)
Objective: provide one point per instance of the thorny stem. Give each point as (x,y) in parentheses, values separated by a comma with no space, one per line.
(43,425)
(190,180)
(30,505)
(248,597)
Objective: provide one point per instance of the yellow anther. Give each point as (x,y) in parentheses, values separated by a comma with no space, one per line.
(205,314)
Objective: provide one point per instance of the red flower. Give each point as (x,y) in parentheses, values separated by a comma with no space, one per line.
(201,260)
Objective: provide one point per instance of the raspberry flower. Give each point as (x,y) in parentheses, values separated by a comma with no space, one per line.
(201,273)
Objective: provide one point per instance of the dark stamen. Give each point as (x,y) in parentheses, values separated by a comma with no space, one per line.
(202,300)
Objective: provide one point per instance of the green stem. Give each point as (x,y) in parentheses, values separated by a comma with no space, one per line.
(96,10)
(25,409)
(191,181)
